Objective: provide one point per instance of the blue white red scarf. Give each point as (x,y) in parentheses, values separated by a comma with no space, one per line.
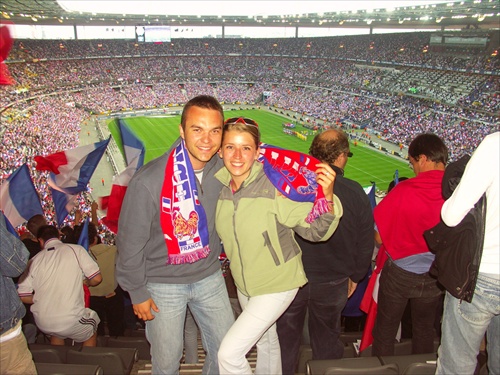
(292,173)
(182,217)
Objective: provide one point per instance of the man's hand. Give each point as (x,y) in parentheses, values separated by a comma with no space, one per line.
(351,288)
(143,310)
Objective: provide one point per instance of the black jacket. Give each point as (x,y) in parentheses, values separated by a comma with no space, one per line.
(458,249)
(349,251)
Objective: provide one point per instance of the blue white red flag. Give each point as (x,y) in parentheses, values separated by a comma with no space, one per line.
(9,226)
(134,156)
(132,146)
(370,191)
(83,240)
(63,204)
(18,197)
(71,171)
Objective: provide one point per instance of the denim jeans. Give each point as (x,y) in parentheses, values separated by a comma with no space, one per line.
(190,339)
(325,302)
(209,303)
(397,286)
(464,326)
(255,325)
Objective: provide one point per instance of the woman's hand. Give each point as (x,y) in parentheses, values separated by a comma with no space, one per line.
(325,176)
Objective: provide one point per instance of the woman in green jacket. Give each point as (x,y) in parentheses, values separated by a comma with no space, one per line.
(256,224)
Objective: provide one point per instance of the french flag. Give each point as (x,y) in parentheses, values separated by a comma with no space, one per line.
(18,197)
(132,146)
(134,151)
(71,171)
(369,303)
(83,241)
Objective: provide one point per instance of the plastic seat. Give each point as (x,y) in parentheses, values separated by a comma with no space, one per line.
(128,356)
(67,369)
(46,353)
(404,347)
(390,369)
(349,352)
(318,367)
(420,369)
(404,361)
(110,362)
(139,343)
(305,355)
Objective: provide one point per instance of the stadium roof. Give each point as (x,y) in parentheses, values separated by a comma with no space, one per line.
(483,14)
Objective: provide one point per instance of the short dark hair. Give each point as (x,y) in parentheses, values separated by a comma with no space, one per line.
(47,232)
(431,146)
(392,184)
(68,234)
(327,148)
(35,222)
(202,101)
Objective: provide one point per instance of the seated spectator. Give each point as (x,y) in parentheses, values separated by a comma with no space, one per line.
(67,234)
(31,243)
(53,283)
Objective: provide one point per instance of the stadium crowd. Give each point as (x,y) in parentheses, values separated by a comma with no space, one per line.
(61,83)
(313,79)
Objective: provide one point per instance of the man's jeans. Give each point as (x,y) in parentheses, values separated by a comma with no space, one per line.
(325,302)
(397,286)
(209,304)
(464,326)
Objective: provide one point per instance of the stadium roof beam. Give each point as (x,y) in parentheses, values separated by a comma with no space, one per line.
(454,14)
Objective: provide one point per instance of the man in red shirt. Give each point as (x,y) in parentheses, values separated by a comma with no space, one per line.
(412,207)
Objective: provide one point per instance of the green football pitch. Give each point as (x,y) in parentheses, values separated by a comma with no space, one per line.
(366,166)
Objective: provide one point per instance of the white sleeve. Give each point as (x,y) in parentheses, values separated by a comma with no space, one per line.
(476,179)
(88,265)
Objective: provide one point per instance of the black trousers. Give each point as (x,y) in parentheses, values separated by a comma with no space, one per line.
(397,286)
(325,302)
(110,310)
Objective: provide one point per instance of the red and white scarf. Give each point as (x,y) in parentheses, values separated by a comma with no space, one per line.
(182,217)
(292,173)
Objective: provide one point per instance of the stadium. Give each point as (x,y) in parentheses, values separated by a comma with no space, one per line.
(435,68)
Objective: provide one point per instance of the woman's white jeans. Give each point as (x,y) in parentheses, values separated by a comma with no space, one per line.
(255,325)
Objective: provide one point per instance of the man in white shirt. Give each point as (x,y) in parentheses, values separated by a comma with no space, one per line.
(56,275)
(465,324)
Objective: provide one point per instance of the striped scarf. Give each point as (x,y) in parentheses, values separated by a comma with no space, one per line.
(182,217)
(292,173)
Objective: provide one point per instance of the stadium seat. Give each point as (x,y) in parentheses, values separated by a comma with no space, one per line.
(318,367)
(420,369)
(139,343)
(404,347)
(46,353)
(350,337)
(404,361)
(68,369)
(112,360)
(390,369)
(305,355)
